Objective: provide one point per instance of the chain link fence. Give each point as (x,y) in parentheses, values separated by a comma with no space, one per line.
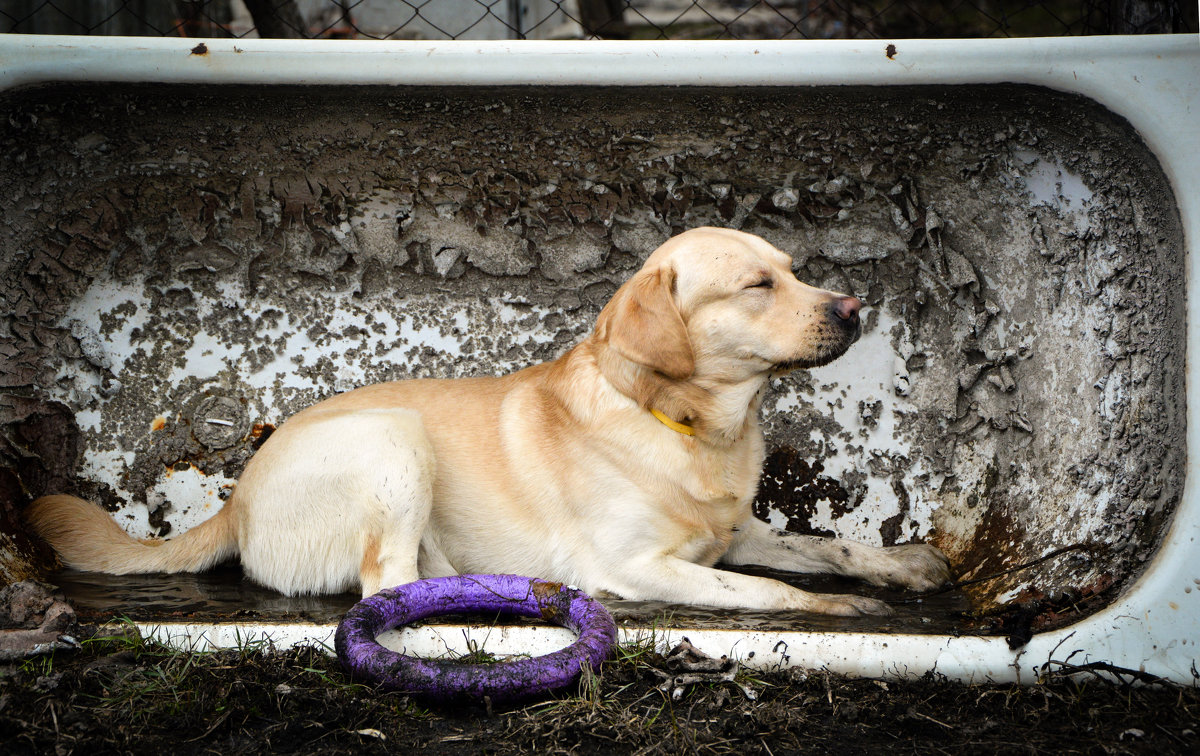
(592,19)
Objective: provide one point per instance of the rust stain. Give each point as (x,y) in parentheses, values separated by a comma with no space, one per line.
(182,465)
(546,590)
(1033,611)
(159,423)
(545,593)
(793,487)
(260,433)
(1071,605)
(200,49)
(891,52)
(988,552)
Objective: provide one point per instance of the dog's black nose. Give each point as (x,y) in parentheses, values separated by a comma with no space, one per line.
(846,309)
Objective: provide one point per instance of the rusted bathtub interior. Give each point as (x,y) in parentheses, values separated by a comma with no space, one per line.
(184,267)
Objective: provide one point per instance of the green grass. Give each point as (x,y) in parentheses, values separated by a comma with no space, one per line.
(122,693)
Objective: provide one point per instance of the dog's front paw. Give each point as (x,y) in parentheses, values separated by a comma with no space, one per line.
(914,567)
(848,605)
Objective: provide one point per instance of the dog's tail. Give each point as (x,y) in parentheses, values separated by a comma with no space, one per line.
(86,538)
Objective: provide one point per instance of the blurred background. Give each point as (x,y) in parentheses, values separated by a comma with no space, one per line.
(599,19)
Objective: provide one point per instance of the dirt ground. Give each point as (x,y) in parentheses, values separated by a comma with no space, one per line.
(124,695)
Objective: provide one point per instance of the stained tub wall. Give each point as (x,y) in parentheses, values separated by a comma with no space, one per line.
(183,269)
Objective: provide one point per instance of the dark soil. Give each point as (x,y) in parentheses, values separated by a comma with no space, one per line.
(122,695)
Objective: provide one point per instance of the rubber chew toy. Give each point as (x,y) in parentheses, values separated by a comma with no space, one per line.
(446,680)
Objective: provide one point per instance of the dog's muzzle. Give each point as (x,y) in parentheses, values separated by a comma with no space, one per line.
(841,329)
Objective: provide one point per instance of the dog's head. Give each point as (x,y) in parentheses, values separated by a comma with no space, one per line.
(724,306)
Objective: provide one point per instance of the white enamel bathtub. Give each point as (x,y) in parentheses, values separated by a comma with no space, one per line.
(1153,82)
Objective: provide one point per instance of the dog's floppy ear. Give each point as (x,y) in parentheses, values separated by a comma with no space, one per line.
(642,323)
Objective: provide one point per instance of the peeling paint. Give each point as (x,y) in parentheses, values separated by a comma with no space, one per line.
(1018,385)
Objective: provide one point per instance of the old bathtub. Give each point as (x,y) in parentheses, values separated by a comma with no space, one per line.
(201,239)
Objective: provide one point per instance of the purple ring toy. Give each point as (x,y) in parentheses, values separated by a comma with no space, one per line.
(446,680)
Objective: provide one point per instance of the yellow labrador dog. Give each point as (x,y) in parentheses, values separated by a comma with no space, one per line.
(626,467)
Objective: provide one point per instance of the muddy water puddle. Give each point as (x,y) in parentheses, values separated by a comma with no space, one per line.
(225,594)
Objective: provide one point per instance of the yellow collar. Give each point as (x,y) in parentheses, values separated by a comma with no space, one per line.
(686,430)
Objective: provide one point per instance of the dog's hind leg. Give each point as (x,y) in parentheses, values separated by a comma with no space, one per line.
(336,501)
(390,553)
(401,492)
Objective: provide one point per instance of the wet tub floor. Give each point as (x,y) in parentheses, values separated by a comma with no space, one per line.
(225,594)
